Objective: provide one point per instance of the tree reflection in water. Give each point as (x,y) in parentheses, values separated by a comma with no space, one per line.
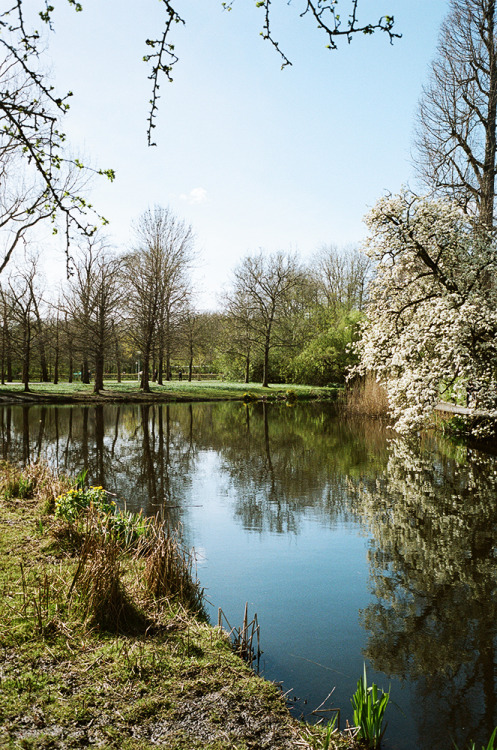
(433,518)
(429,510)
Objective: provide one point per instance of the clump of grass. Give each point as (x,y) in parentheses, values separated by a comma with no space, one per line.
(169,568)
(97,579)
(16,483)
(34,481)
(369,704)
(366,397)
(100,533)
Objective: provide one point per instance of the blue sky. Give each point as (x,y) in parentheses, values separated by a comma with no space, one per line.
(252,156)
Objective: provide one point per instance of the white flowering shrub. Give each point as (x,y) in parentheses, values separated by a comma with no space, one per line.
(432,317)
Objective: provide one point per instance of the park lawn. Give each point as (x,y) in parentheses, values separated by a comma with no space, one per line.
(197,390)
(162,678)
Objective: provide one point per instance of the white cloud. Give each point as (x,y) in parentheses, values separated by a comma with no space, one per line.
(197,195)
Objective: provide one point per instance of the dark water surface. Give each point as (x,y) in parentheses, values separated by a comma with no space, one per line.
(349,545)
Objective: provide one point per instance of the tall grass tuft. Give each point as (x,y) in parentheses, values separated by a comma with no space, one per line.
(97,580)
(369,704)
(16,483)
(169,568)
(366,397)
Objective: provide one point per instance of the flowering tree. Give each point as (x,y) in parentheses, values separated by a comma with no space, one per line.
(432,314)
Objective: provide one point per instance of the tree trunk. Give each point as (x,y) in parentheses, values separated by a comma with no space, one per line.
(56,366)
(489,166)
(99,373)
(41,342)
(85,372)
(118,354)
(56,361)
(144,383)
(265,373)
(247,367)
(2,365)
(26,355)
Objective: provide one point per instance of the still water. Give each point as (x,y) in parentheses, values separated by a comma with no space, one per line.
(351,546)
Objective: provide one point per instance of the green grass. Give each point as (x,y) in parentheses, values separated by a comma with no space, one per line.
(209,390)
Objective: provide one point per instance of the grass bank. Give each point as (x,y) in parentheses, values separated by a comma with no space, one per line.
(129,391)
(103,640)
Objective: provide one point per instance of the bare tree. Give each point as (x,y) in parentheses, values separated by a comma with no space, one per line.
(258,302)
(93,301)
(39,180)
(456,144)
(22,290)
(342,277)
(6,346)
(157,279)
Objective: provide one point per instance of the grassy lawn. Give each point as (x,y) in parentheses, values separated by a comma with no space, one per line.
(94,653)
(208,390)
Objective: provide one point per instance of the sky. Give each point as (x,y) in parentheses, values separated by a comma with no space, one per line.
(252,156)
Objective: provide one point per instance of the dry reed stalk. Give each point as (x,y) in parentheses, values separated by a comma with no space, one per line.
(98,580)
(169,568)
(366,397)
(242,639)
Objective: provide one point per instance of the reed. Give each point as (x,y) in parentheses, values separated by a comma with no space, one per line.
(97,580)
(365,397)
(169,568)
(244,640)
(324,740)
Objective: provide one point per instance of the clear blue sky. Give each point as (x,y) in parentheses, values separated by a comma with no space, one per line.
(252,156)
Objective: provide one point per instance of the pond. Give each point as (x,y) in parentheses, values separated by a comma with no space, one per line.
(351,546)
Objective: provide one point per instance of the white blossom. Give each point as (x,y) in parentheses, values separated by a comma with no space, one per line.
(432,317)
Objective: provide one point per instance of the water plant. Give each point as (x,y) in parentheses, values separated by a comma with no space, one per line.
(491,744)
(169,567)
(126,527)
(71,504)
(369,704)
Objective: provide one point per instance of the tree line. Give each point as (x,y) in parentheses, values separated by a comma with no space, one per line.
(134,312)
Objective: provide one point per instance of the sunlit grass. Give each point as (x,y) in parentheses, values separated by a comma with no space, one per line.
(174,389)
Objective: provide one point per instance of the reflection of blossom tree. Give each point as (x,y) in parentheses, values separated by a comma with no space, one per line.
(433,565)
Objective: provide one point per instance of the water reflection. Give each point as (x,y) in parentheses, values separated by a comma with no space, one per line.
(433,517)
(234,474)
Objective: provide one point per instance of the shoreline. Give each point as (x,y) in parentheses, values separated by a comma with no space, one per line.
(165,679)
(173,392)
